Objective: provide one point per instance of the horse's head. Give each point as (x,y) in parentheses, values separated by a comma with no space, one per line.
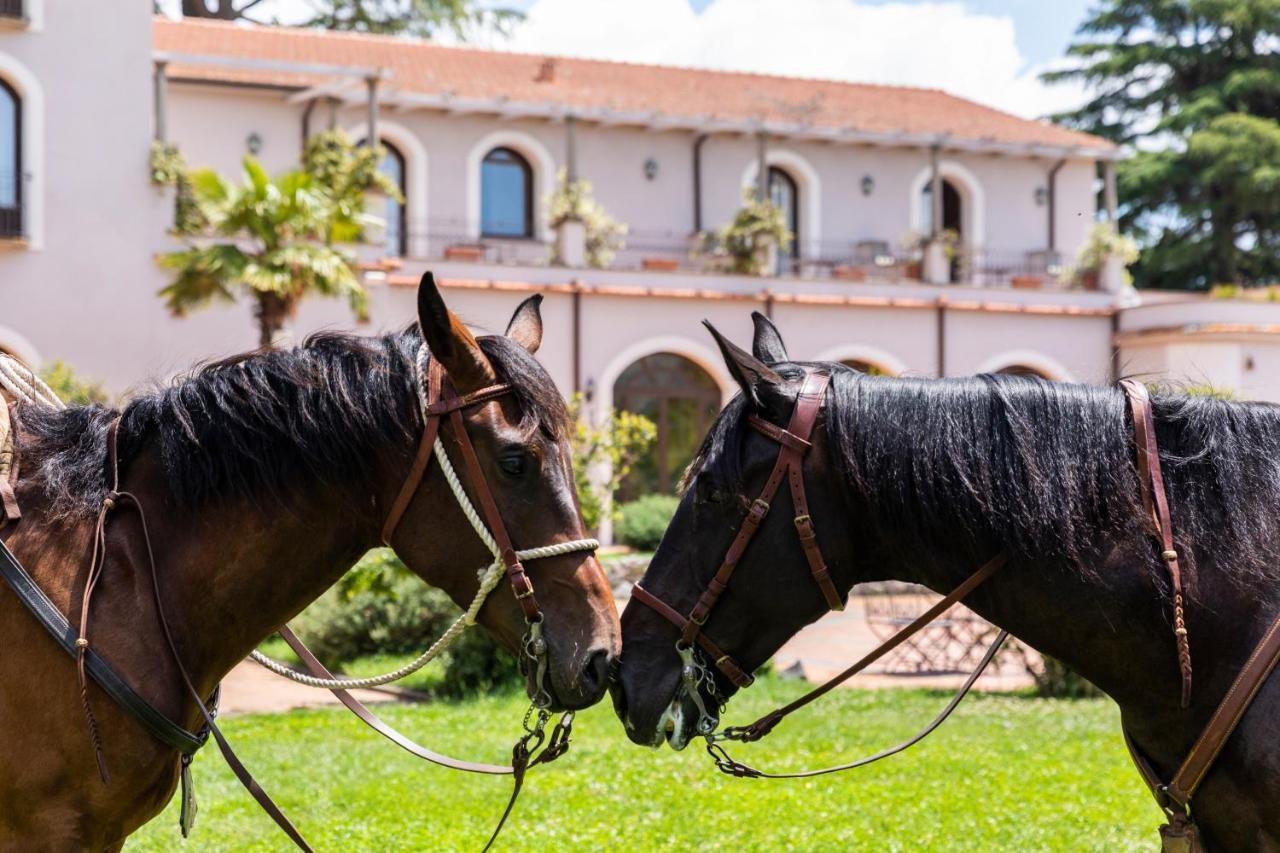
(522,454)
(771,593)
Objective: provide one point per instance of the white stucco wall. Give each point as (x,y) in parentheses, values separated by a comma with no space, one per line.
(83,289)
(88,295)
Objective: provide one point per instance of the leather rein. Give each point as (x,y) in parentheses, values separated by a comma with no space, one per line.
(437,400)
(794,442)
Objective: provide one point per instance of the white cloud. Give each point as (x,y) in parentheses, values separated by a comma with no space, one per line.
(931,44)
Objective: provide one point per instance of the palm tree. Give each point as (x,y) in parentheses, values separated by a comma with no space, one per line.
(269,238)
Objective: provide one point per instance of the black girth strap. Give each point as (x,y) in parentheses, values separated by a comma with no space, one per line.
(160,726)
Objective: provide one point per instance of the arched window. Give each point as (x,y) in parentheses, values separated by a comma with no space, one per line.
(682,400)
(397,222)
(10,162)
(506,195)
(786,196)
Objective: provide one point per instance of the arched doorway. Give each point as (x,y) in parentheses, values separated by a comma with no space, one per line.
(868,367)
(785,195)
(1024,370)
(682,400)
(952,218)
(952,208)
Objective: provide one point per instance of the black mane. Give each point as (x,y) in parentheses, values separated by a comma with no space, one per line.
(1037,468)
(266,424)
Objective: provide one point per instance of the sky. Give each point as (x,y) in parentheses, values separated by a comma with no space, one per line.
(990,51)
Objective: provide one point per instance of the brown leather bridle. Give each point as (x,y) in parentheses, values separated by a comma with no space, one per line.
(793,445)
(441,400)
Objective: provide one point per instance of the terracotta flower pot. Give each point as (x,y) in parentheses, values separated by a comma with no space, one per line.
(464,253)
(845,272)
(660,264)
(1089,280)
(911,270)
(1026,282)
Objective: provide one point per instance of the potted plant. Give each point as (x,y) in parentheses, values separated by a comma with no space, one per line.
(1025,282)
(749,244)
(464,252)
(1102,258)
(586,235)
(912,244)
(166,164)
(848,272)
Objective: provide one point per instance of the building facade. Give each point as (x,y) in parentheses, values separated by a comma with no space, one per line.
(870,178)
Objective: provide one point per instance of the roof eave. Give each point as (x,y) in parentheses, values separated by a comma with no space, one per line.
(507,108)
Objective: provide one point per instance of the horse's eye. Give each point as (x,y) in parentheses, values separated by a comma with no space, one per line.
(512,464)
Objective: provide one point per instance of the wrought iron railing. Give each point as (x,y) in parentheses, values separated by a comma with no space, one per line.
(1008,268)
(12,9)
(673,251)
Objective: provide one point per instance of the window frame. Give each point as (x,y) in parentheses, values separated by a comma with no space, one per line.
(526,167)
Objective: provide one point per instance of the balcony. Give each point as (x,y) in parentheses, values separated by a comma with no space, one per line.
(672,252)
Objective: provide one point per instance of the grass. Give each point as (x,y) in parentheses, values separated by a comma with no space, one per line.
(1007,773)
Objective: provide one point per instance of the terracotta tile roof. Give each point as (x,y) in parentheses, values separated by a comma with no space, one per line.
(469,74)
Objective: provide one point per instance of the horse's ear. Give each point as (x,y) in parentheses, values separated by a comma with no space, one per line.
(767,345)
(450,341)
(525,327)
(751,374)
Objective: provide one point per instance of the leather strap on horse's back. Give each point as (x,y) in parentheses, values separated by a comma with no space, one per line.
(1156,502)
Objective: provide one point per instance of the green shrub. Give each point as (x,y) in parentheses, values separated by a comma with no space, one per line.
(380,607)
(72,389)
(643,521)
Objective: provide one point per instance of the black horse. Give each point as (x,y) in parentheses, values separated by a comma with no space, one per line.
(923,480)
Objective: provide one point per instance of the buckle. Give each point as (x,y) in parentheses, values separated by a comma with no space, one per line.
(521,586)
(759,509)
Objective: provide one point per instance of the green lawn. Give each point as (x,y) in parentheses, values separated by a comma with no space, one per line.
(1007,773)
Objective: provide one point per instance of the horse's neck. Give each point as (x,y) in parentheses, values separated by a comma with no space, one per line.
(1114,628)
(231,574)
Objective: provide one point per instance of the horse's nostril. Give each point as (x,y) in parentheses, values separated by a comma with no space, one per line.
(595,675)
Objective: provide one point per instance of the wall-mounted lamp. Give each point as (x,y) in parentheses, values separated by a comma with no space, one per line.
(254,143)
(1042,196)
(868,185)
(650,169)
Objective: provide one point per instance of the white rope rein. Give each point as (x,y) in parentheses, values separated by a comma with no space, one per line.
(489,575)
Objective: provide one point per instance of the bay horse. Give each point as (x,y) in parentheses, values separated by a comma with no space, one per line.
(922,480)
(264,477)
